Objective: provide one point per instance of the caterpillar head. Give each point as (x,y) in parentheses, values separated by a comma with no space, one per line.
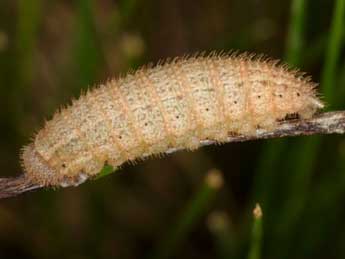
(306,100)
(312,105)
(40,172)
(35,167)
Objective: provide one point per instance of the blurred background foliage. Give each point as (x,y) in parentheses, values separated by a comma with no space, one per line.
(177,206)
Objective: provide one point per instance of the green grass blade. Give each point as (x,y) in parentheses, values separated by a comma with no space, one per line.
(29,18)
(195,209)
(329,73)
(265,176)
(127,8)
(295,39)
(341,82)
(257,230)
(300,172)
(89,58)
(28,21)
(219,224)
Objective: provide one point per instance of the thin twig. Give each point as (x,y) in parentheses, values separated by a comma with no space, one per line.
(324,123)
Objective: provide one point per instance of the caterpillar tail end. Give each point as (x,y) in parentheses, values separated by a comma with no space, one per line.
(10,187)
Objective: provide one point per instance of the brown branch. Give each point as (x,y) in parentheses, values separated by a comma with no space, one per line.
(10,187)
(324,123)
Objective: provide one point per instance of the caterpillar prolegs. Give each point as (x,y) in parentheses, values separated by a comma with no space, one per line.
(173,105)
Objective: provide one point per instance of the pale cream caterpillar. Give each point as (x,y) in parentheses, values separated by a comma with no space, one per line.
(174,105)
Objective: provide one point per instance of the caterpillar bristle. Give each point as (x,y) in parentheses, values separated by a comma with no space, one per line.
(10,187)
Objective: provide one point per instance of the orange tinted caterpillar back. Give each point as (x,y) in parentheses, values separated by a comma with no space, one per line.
(163,108)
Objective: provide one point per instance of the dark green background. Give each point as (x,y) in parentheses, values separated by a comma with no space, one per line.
(51,50)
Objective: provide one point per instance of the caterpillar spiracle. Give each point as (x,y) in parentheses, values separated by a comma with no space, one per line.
(159,109)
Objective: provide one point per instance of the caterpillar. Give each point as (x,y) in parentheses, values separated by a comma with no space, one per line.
(159,109)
